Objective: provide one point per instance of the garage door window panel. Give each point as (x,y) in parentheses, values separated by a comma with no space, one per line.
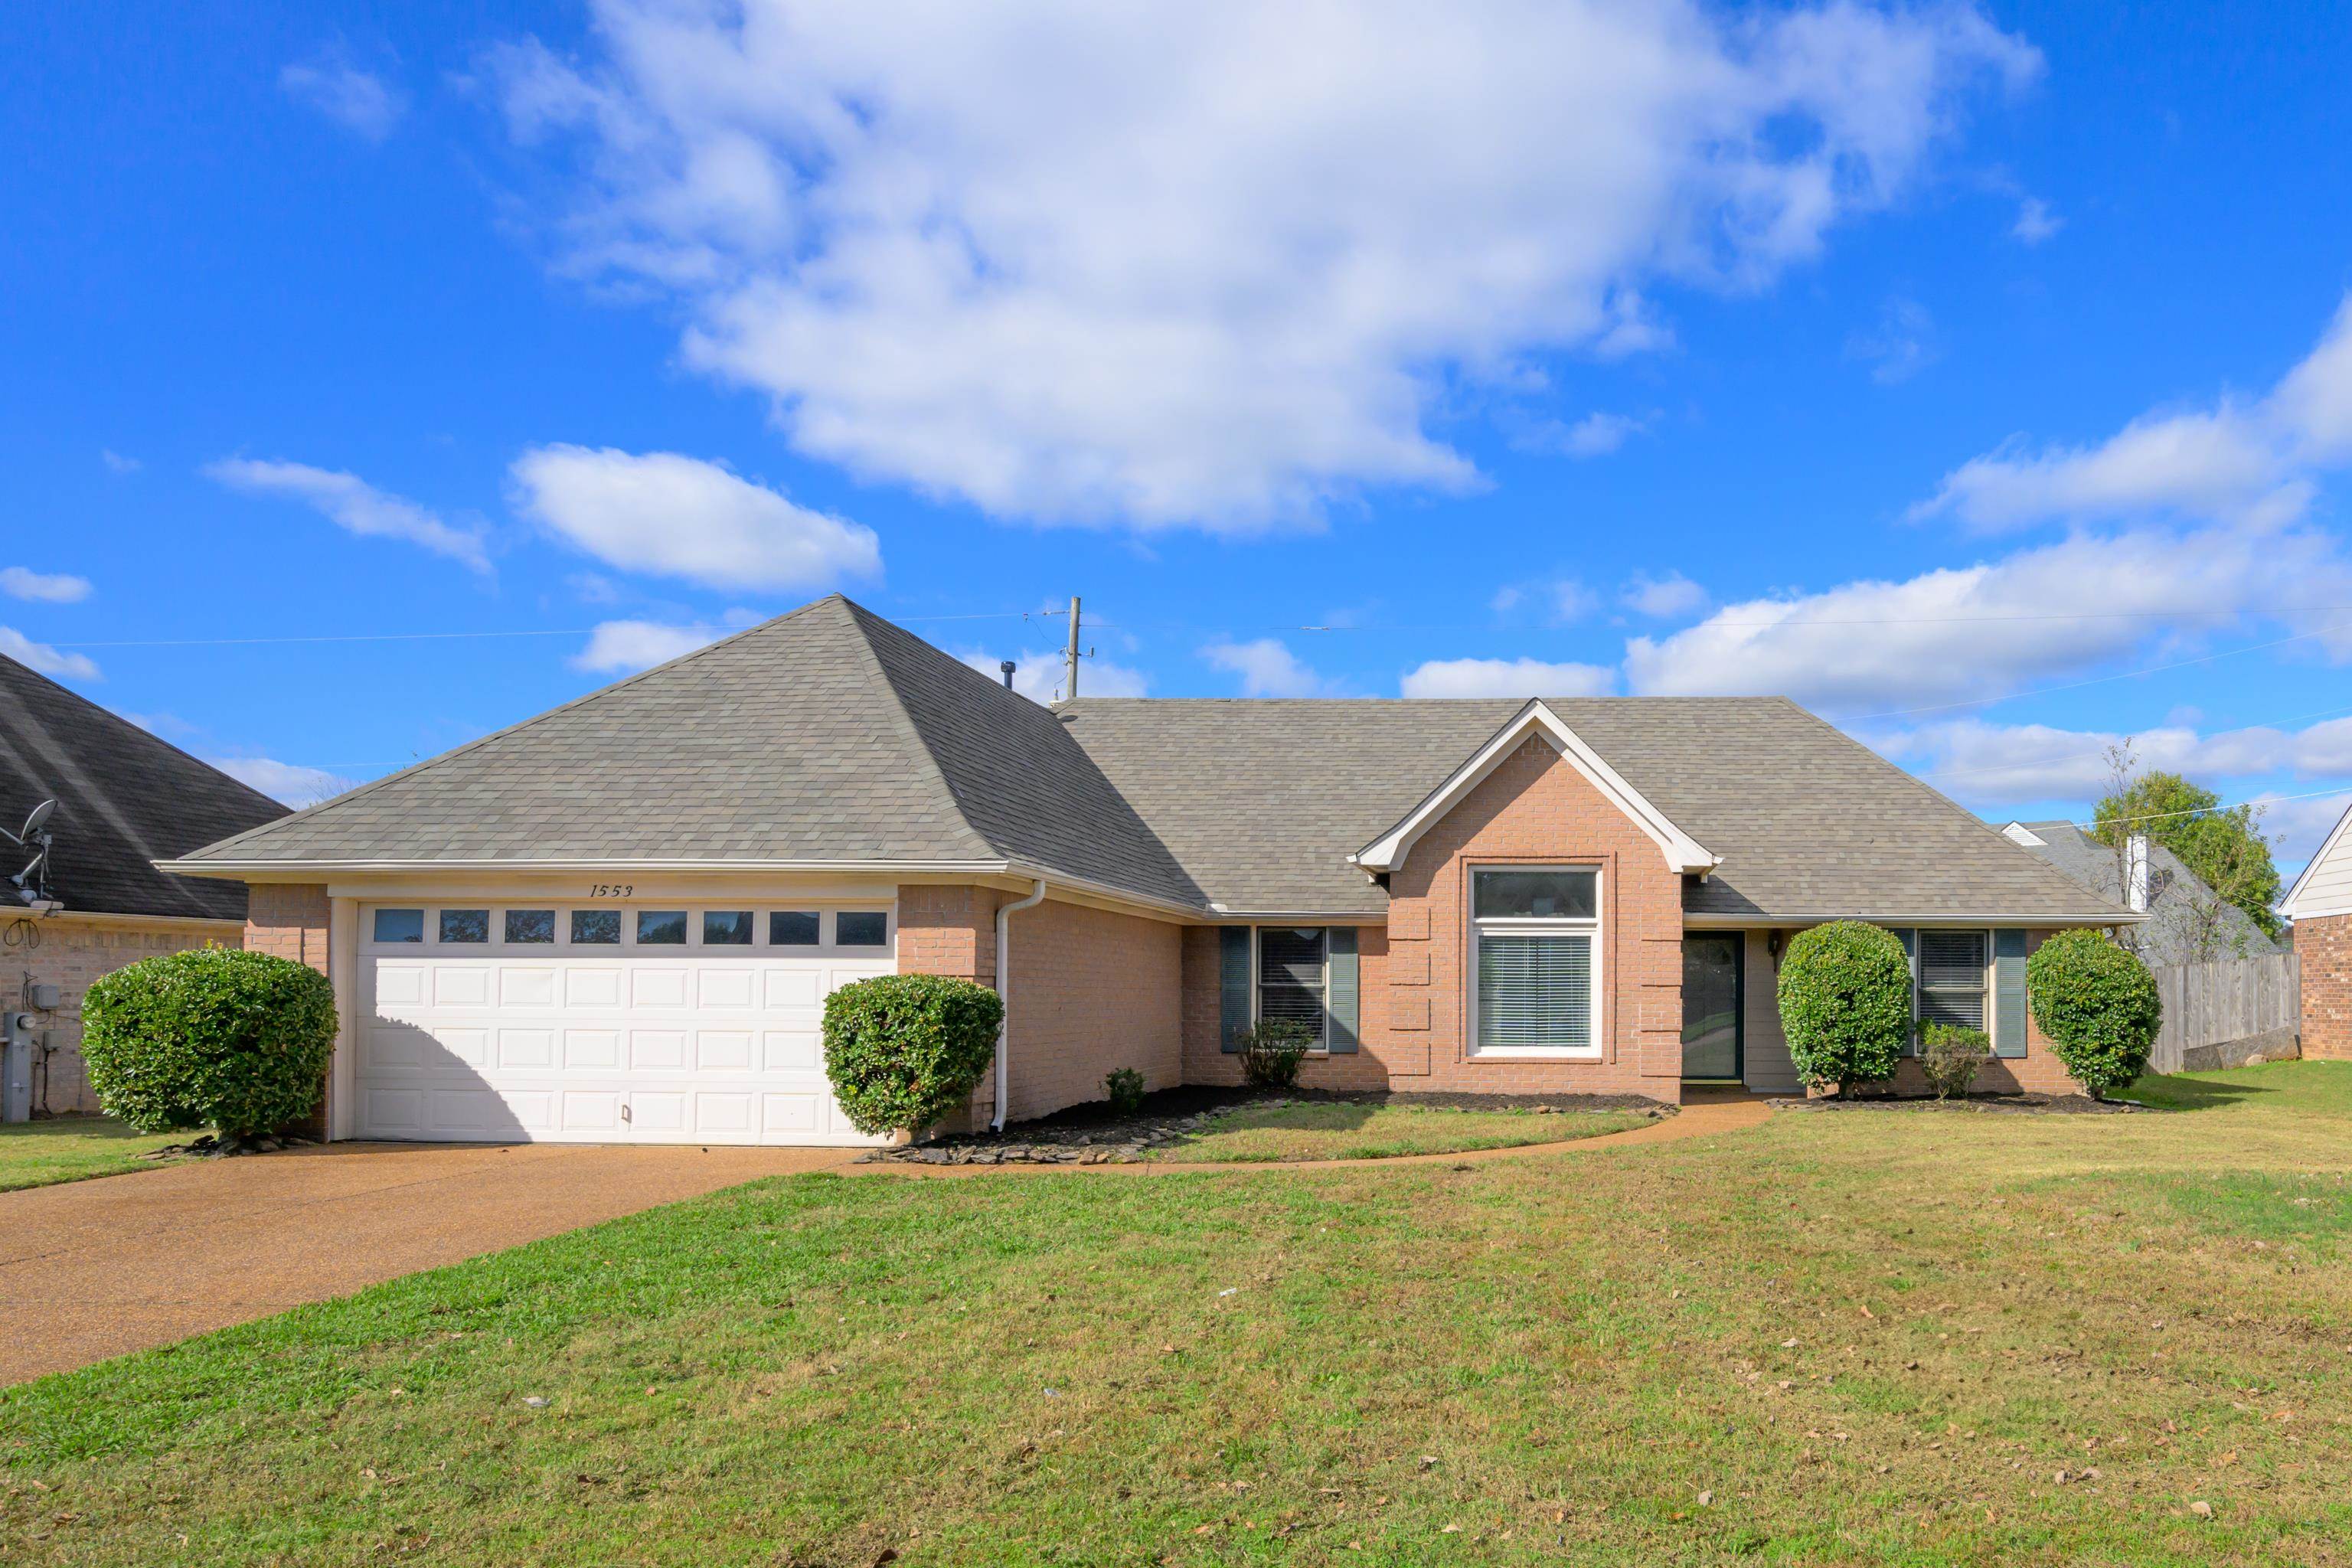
(726,928)
(661,928)
(531,928)
(466,928)
(792,928)
(400,926)
(596,928)
(862,928)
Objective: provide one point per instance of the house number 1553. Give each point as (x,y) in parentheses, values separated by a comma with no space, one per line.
(610,889)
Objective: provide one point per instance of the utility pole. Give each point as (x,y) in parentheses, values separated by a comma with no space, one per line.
(1070,690)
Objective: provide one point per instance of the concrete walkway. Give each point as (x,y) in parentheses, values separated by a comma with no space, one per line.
(95,1268)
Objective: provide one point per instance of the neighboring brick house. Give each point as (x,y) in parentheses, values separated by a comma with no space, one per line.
(125,800)
(2320,905)
(619,919)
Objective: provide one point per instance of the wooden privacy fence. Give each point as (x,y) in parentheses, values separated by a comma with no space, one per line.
(2213,1005)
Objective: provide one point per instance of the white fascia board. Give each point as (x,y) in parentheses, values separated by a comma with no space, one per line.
(1962,921)
(1684,854)
(320,870)
(2286,906)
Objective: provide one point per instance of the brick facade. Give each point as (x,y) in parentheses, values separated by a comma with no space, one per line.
(2323,942)
(1091,991)
(1536,808)
(290,919)
(69,952)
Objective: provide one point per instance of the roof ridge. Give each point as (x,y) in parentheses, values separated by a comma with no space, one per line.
(210,850)
(865,620)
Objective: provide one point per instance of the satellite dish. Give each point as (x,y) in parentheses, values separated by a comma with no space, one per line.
(39,818)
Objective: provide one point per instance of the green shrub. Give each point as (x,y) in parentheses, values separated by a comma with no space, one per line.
(1951,1057)
(904,1050)
(1845,1003)
(1124,1089)
(2098,1003)
(209,1037)
(1272,1051)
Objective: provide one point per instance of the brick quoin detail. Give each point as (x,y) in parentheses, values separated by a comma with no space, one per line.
(1533,809)
(2323,942)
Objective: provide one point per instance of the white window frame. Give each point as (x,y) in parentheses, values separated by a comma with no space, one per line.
(1987,985)
(1322,1045)
(1553,926)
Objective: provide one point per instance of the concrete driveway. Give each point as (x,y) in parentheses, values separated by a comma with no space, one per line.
(94,1268)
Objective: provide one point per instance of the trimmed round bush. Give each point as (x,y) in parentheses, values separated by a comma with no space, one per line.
(212,1036)
(1845,1003)
(904,1050)
(2098,1003)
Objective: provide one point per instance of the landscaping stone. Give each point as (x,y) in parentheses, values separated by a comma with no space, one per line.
(1096,1134)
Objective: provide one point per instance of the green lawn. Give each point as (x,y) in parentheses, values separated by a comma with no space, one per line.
(1329,1130)
(1828,1340)
(66,1149)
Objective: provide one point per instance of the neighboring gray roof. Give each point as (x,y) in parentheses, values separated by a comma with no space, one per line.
(125,800)
(1262,801)
(824,735)
(829,734)
(2170,934)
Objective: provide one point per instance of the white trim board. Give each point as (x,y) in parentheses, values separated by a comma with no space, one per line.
(2286,906)
(1684,854)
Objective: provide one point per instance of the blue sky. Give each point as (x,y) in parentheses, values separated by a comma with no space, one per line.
(1975,377)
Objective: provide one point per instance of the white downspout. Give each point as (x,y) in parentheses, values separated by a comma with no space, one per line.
(1005,994)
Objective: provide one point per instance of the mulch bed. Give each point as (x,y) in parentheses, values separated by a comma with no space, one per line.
(1995,1104)
(1096,1134)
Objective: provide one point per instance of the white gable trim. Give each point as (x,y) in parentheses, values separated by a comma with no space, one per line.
(2018,833)
(2287,906)
(1682,853)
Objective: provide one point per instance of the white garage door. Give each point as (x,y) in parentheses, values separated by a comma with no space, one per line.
(600,1024)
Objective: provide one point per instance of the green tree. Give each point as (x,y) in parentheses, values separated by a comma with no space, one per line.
(2225,846)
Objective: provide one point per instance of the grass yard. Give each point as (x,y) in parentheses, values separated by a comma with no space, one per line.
(1918,1340)
(67,1148)
(1254,1134)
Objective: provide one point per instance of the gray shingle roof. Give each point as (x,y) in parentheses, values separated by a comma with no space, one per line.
(125,800)
(829,734)
(2172,932)
(824,735)
(1262,801)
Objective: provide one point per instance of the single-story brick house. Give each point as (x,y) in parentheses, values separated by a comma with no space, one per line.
(620,918)
(125,799)
(2320,905)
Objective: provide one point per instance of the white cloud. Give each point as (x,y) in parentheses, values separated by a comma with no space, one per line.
(1664,598)
(1899,346)
(2296,828)
(1169,265)
(623,647)
(118,463)
(2035,222)
(48,660)
(1594,436)
(54,588)
(1979,631)
(1977,761)
(1267,668)
(290,783)
(1564,599)
(681,517)
(354,505)
(1038,675)
(361,101)
(1507,678)
(2248,463)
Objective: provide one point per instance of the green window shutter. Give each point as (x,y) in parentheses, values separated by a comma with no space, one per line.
(1910,941)
(1232,985)
(2008,993)
(1343,1005)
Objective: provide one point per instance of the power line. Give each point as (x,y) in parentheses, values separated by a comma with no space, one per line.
(442,636)
(2201,810)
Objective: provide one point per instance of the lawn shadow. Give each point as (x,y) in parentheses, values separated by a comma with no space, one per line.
(2173,1091)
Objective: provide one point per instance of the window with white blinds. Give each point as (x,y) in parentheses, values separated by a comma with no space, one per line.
(1536,989)
(1294,975)
(1952,973)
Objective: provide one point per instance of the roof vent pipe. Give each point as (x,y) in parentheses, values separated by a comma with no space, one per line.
(2136,872)
(1007,667)
(1005,994)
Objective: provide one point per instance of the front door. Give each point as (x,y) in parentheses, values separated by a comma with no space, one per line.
(1711,986)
